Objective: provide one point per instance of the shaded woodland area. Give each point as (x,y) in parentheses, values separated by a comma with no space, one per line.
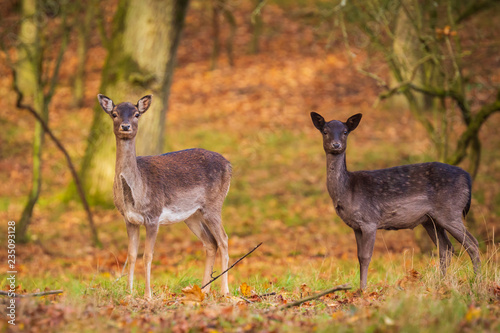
(240,77)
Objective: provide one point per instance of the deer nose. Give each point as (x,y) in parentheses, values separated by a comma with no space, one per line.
(336,145)
(125,127)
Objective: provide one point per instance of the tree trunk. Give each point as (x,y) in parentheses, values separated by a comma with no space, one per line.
(28,69)
(84,27)
(141,60)
(215,34)
(256,21)
(221,7)
(229,17)
(407,53)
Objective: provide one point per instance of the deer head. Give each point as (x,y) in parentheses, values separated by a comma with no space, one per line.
(125,115)
(335,132)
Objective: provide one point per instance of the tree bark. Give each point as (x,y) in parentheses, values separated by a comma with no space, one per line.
(411,57)
(256,21)
(28,68)
(141,60)
(406,55)
(84,28)
(231,20)
(215,34)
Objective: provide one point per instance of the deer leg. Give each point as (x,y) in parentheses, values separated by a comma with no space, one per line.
(469,242)
(133,245)
(443,243)
(446,250)
(209,243)
(151,232)
(365,240)
(431,231)
(472,238)
(213,222)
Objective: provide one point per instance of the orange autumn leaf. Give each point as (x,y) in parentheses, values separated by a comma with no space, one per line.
(411,278)
(473,313)
(246,290)
(193,294)
(495,289)
(304,289)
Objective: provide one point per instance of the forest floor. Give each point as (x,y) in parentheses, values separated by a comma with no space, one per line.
(255,113)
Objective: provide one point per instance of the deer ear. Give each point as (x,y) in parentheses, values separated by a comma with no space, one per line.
(353,122)
(318,120)
(144,103)
(106,103)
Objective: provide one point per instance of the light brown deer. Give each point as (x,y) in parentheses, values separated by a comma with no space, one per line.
(187,185)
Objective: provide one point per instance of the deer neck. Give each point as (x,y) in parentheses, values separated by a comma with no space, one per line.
(337,175)
(126,167)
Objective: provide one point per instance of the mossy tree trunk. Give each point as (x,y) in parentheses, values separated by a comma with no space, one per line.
(257,25)
(84,29)
(37,88)
(140,61)
(407,54)
(218,7)
(28,69)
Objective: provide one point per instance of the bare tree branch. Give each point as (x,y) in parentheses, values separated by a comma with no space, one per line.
(472,131)
(57,67)
(403,84)
(474,8)
(20,105)
(457,97)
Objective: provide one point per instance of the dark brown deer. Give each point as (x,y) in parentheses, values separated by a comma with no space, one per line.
(435,195)
(187,185)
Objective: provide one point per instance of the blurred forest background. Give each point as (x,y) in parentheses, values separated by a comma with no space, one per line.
(240,77)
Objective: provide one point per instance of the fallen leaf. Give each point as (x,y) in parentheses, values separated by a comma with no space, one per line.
(281,300)
(473,313)
(227,310)
(232,299)
(255,298)
(305,290)
(338,315)
(242,305)
(246,290)
(411,277)
(414,275)
(496,290)
(193,294)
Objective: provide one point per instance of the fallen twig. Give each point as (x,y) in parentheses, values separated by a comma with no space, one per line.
(245,299)
(237,261)
(309,298)
(256,298)
(45,293)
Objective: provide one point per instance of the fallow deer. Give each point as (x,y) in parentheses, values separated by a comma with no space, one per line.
(187,185)
(435,195)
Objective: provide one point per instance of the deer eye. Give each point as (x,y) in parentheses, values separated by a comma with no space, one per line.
(137,115)
(325,132)
(114,115)
(345,132)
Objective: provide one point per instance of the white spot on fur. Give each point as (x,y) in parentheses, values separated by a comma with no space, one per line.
(170,215)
